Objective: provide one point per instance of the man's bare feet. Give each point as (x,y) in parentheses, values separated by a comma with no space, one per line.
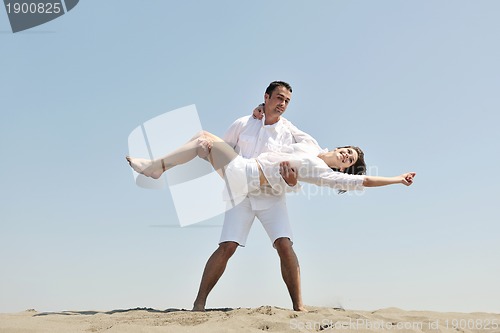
(198,308)
(148,168)
(300,308)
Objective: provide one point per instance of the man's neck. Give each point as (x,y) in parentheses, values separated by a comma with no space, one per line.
(271,120)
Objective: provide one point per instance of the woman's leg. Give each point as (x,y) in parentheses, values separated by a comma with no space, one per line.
(262,177)
(203,144)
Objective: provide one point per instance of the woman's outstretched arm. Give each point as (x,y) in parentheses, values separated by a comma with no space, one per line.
(347,182)
(375,181)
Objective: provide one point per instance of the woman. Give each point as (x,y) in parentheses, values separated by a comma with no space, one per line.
(342,168)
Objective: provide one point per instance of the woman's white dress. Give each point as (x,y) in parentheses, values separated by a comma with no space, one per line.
(242,174)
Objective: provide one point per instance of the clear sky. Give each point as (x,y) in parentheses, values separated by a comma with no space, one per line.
(414,83)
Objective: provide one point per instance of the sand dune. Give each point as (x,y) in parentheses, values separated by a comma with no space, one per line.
(264,318)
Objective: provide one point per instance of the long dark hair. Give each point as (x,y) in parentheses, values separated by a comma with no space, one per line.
(358,168)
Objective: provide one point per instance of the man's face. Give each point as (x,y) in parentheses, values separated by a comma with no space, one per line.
(277,103)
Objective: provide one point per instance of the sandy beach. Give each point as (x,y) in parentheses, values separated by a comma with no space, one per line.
(264,318)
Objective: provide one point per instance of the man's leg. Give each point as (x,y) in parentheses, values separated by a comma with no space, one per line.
(237,223)
(214,269)
(277,225)
(290,270)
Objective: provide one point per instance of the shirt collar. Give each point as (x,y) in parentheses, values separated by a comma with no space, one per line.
(263,121)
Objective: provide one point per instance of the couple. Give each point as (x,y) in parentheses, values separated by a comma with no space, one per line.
(273,156)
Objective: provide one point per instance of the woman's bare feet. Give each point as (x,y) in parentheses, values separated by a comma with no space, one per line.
(148,168)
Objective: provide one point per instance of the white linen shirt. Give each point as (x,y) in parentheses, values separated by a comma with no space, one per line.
(250,137)
(311,169)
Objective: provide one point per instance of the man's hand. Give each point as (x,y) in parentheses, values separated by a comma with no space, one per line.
(288,173)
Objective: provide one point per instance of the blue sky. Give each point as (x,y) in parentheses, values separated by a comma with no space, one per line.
(414,83)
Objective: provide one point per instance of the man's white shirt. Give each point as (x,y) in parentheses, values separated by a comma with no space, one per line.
(250,137)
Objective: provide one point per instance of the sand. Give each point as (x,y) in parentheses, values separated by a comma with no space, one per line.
(264,318)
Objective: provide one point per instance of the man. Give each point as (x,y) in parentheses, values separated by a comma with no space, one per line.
(250,137)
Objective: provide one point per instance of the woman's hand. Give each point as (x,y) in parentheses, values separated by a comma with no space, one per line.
(258,112)
(407,178)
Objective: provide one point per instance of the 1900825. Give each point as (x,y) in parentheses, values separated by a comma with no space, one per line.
(473,324)
(33,8)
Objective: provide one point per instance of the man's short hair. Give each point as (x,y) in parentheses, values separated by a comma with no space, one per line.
(273,85)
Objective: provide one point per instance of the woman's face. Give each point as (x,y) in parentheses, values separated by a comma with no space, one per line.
(346,157)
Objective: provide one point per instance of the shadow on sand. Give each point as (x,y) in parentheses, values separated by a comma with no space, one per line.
(91,313)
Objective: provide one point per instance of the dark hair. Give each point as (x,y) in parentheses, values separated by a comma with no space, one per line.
(273,85)
(358,168)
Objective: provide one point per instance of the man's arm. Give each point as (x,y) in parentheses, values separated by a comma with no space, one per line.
(233,132)
(288,173)
(301,136)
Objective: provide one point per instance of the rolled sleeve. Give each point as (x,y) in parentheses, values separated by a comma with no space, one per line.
(301,136)
(342,181)
(233,132)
